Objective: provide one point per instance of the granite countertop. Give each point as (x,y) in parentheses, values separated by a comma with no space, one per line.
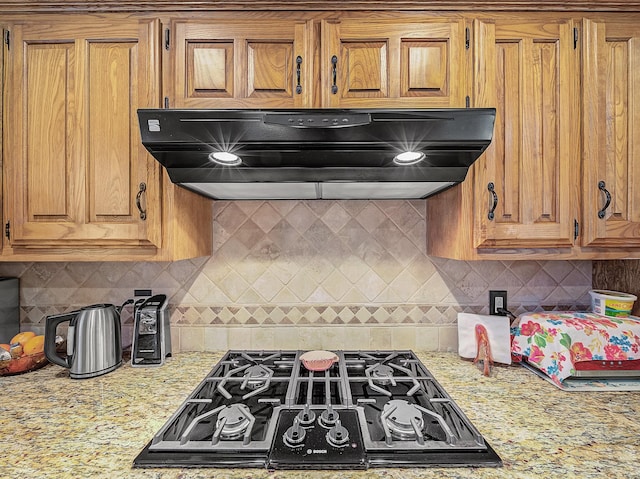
(53,426)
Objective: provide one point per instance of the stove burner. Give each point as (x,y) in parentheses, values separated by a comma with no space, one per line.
(255,377)
(404,420)
(233,421)
(382,374)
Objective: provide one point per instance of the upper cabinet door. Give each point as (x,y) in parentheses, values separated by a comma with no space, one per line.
(416,63)
(611,134)
(526,184)
(242,64)
(75,165)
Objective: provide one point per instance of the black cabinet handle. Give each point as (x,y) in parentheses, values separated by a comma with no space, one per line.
(491,188)
(334,73)
(603,187)
(298,62)
(143,213)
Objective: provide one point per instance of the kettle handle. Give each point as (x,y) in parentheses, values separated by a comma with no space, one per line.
(51,325)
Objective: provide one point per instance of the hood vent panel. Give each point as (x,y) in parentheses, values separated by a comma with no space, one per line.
(316,154)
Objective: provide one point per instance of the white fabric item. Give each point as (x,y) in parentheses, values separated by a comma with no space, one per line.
(498,328)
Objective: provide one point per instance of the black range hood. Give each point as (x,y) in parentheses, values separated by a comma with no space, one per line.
(316,154)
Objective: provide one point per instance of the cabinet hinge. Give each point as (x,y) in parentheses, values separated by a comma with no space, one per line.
(467,38)
(576,37)
(7,38)
(7,230)
(166,102)
(576,229)
(467,101)
(167,39)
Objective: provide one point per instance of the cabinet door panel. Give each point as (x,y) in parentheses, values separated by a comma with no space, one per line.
(244,64)
(48,148)
(426,68)
(393,63)
(111,193)
(611,133)
(210,70)
(531,161)
(76,156)
(365,64)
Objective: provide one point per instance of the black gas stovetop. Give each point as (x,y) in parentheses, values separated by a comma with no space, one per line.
(369,409)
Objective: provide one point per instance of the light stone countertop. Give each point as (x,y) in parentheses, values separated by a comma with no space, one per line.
(56,427)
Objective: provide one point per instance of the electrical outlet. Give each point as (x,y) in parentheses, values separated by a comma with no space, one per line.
(497,300)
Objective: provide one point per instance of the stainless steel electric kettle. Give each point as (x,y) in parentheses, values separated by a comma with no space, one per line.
(94,344)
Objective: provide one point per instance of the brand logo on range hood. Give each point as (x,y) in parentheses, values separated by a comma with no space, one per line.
(316,154)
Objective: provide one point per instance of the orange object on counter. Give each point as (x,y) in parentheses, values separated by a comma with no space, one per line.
(34,345)
(484,349)
(23,337)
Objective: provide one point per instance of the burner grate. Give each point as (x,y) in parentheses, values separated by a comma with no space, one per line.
(369,409)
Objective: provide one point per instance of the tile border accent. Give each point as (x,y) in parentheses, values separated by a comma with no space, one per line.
(303,314)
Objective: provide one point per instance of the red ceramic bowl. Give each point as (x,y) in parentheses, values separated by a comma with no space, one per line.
(318,360)
(23,364)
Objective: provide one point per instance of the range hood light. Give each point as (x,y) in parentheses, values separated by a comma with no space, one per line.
(409,158)
(225,158)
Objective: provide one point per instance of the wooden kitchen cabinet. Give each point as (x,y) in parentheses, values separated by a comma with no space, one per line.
(410,62)
(2,70)
(242,63)
(79,184)
(520,196)
(76,164)
(611,132)
(353,61)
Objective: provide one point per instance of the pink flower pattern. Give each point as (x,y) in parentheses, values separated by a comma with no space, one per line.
(555,341)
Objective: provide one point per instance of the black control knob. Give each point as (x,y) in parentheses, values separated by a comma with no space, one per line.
(328,417)
(338,436)
(294,436)
(306,416)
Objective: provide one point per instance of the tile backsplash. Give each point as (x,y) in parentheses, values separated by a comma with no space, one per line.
(309,274)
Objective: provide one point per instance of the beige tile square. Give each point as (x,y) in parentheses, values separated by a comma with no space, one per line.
(357,337)
(381,338)
(239,338)
(336,217)
(301,217)
(302,285)
(427,338)
(403,337)
(371,217)
(262,338)
(311,338)
(371,285)
(233,285)
(405,285)
(191,338)
(336,285)
(448,338)
(202,289)
(268,285)
(353,268)
(215,339)
(266,217)
(332,337)
(286,337)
